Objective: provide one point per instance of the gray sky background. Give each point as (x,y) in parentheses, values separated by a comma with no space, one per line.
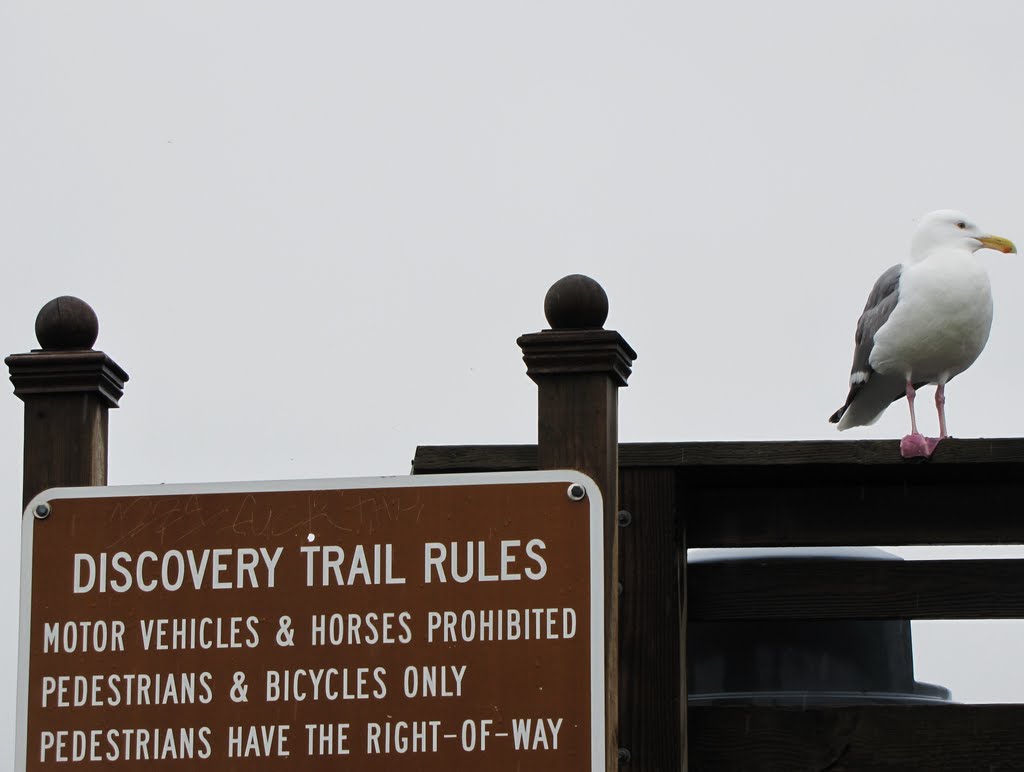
(313,231)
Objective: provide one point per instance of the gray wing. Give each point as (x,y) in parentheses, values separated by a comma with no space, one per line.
(881,301)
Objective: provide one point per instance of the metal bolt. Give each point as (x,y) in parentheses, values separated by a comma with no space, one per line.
(577,492)
(624,756)
(42,511)
(625,518)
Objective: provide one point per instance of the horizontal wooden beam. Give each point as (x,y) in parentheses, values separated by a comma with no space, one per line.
(856,589)
(773,494)
(946,737)
(804,453)
(982,509)
(445,459)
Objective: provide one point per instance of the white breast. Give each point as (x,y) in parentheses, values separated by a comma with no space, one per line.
(942,320)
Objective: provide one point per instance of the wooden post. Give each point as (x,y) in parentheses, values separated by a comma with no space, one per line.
(67,388)
(578,367)
(652,619)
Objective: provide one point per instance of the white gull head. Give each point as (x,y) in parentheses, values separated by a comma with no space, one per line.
(950,229)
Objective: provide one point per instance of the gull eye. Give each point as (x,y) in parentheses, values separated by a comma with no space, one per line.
(961,225)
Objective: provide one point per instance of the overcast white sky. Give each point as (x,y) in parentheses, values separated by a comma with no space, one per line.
(313,231)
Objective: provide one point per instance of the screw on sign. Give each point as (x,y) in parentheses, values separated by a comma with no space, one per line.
(428,623)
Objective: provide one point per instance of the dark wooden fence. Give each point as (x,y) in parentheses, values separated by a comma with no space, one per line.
(673,496)
(775,494)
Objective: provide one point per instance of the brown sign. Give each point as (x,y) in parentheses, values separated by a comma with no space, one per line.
(434,623)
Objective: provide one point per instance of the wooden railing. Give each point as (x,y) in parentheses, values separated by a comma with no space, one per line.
(676,496)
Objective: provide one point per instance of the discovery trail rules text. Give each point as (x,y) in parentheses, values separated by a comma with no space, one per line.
(428,623)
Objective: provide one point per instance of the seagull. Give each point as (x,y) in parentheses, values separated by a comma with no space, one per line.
(925,322)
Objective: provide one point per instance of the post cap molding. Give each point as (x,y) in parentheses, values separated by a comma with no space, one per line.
(57,372)
(576,352)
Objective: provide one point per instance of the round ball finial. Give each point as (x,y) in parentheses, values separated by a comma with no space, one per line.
(576,302)
(66,323)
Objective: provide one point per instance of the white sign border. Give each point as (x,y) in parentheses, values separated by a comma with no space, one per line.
(597,605)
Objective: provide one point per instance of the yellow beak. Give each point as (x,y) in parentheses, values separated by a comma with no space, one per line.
(998,243)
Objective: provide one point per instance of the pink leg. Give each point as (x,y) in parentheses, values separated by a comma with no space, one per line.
(914,445)
(940,405)
(910,401)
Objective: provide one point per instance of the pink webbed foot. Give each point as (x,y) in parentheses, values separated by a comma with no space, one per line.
(918,446)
